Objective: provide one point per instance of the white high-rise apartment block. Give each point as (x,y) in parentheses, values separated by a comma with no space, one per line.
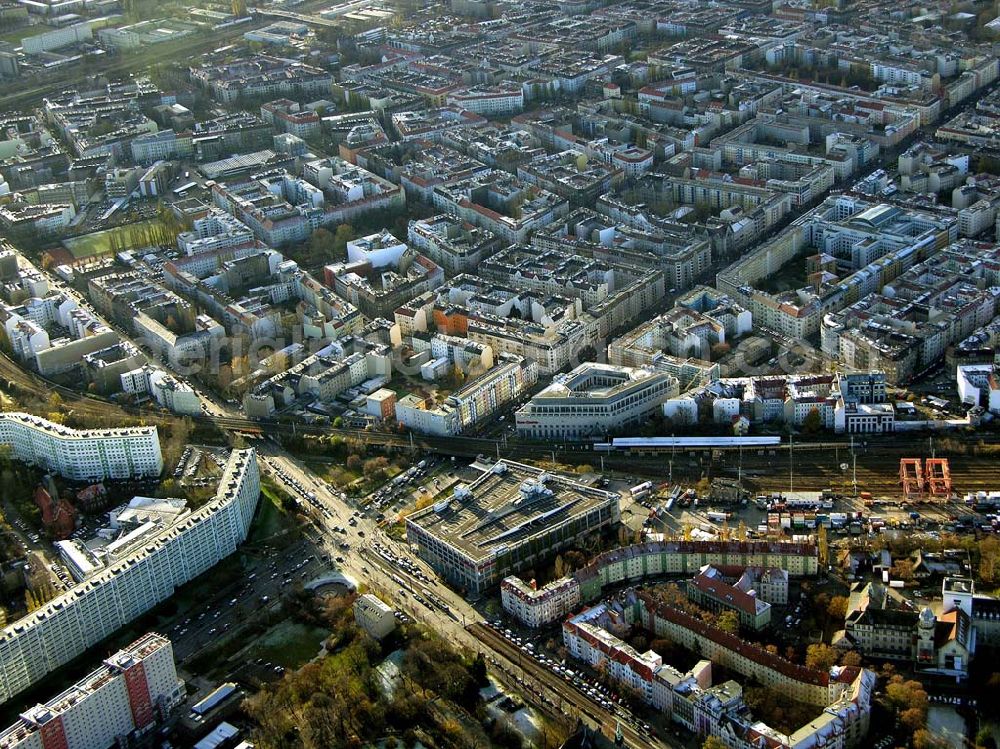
(128,694)
(84,615)
(82,454)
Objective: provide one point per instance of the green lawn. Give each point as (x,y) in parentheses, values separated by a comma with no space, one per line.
(271,519)
(14,36)
(289,644)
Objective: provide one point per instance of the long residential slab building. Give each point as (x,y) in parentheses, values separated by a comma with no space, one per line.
(82,454)
(83,616)
(122,699)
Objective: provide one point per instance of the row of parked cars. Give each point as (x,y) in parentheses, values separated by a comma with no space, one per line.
(300,489)
(399,487)
(589,686)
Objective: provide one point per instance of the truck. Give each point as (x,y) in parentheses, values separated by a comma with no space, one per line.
(719,517)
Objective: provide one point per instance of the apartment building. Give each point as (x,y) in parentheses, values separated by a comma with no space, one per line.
(634,234)
(105,367)
(851,417)
(631,564)
(979,385)
(570,175)
(285,116)
(889,328)
(878,624)
(57,38)
(475,401)
(94,609)
(709,590)
(53,331)
(161,145)
(551,344)
(470,357)
(260,76)
(489,101)
(338,367)
(82,454)
(594,400)
(870,245)
(215,232)
(940,641)
(842,695)
(537,607)
(171,393)
(124,699)
(47,219)
(432,124)
(770,585)
(750,205)
(612,292)
(378,292)
(677,343)
(500,203)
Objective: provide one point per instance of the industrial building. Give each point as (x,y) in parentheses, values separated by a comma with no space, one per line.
(509,518)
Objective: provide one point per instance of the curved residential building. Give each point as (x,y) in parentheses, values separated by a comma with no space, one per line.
(96,608)
(82,454)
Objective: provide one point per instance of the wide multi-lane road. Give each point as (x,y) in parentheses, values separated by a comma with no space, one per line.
(410,585)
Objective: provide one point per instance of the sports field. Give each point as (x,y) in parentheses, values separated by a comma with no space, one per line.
(128,237)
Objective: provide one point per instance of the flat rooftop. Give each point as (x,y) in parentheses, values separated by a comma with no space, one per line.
(508,504)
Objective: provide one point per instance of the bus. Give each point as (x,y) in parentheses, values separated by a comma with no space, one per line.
(639,491)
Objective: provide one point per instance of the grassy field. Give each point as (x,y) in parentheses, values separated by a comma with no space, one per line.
(100,242)
(14,36)
(289,644)
(271,520)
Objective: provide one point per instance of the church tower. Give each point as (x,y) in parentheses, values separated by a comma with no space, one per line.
(926,626)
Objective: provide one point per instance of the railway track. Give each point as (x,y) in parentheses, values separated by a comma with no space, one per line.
(876,469)
(817,464)
(571,700)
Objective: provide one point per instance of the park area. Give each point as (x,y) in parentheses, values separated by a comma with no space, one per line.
(288,644)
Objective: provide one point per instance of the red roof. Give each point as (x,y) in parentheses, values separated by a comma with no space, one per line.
(732,642)
(727,594)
